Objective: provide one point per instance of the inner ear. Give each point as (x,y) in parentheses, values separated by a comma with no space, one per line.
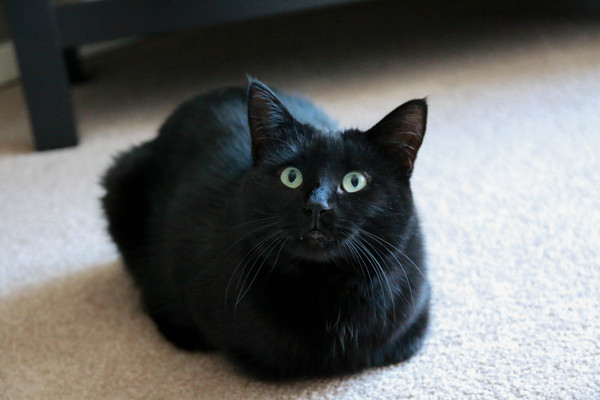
(401,132)
(267,117)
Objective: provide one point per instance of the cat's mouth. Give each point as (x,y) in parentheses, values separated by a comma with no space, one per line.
(316,237)
(315,244)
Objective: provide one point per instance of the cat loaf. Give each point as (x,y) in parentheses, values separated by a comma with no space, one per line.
(255,227)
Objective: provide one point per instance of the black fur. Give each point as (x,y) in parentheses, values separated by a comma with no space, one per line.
(289,283)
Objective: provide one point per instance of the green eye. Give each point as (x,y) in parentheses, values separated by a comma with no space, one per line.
(354,181)
(291,177)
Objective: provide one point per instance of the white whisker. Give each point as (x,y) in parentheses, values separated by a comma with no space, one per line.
(270,247)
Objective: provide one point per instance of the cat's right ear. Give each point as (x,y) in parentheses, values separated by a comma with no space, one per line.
(267,117)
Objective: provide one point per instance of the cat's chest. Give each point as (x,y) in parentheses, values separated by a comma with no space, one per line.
(317,305)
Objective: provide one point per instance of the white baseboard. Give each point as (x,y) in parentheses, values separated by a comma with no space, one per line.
(8,63)
(93,49)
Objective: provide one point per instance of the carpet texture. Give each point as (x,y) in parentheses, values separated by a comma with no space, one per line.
(507,183)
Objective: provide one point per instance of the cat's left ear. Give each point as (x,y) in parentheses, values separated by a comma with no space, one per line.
(401,132)
(267,117)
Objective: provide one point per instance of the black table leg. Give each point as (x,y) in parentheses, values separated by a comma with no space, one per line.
(43,73)
(75,70)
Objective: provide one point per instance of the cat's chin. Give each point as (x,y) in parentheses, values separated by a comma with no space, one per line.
(314,254)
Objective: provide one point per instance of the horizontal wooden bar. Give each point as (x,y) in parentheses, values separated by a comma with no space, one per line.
(87,22)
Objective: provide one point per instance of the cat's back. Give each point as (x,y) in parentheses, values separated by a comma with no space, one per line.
(199,125)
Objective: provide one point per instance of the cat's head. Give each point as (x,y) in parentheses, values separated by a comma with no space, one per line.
(322,195)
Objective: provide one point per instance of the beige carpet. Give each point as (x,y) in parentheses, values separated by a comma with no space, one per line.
(507,181)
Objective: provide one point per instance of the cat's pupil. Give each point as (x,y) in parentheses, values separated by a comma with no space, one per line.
(292,176)
(354,180)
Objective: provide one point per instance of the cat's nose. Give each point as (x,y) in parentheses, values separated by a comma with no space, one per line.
(316,209)
(316,204)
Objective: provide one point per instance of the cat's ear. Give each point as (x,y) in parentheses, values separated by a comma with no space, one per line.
(401,132)
(267,117)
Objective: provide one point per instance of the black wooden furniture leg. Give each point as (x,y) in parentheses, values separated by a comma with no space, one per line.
(75,69)
(43,73)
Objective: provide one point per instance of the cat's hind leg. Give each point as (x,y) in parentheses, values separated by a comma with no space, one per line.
(184,337)
(171,319)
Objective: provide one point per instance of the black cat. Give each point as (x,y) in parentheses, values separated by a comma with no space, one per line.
(254,227)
